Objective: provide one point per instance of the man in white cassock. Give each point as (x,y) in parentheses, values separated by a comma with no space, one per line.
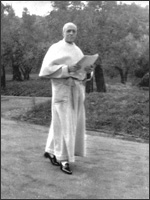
(67,130)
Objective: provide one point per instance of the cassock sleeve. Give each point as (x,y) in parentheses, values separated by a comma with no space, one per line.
(49,67)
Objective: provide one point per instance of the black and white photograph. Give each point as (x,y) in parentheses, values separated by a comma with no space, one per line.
(74,99)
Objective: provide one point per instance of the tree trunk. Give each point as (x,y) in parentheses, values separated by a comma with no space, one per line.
(3,77)
(16,73)
(25,72)
(26,76)
(89,84)
(126,75)
(121,75)
(99,79)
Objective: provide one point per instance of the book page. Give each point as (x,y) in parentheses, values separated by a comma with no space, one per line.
(87,60)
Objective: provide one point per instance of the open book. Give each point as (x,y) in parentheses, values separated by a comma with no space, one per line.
(87,60)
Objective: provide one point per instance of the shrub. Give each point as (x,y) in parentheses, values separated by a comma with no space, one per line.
(144,81)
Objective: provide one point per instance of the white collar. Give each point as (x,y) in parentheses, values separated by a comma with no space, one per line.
(70,44)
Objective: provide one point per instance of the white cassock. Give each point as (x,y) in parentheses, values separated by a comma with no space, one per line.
(67,129)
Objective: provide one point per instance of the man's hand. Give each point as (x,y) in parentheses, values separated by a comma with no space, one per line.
(74,68)
(89,69)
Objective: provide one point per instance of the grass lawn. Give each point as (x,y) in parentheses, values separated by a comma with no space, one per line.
(123,109)
(34,87)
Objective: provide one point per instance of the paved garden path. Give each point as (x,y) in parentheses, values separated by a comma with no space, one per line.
(112,169)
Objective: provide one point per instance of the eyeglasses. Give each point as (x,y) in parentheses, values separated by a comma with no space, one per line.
(69,30)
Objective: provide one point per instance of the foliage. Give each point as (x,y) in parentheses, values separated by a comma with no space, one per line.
(114,31)
(122,57)
(143,59)
(5,40)
(144,81)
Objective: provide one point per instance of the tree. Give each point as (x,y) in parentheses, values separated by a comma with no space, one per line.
(10,33)
(28,42)
(89,84)
(122,57)
(3,76)
(114,31)
(99,79)
(60,5)
(143,57)
(7,27)
(76,5)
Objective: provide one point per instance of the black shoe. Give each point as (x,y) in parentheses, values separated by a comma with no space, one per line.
(65,168)
(52,159)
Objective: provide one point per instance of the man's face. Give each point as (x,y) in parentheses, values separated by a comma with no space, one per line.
(70,34)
